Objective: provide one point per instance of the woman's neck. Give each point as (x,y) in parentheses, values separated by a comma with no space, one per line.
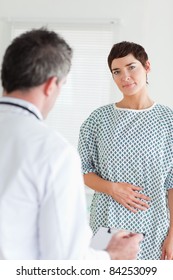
(137,103)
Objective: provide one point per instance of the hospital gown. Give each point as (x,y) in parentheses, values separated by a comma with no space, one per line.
(136,147)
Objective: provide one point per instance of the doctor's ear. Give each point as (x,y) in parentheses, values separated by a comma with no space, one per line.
(50,85)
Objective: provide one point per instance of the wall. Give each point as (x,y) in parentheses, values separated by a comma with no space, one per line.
(148,22)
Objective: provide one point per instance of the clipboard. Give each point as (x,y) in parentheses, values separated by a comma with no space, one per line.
(102,237)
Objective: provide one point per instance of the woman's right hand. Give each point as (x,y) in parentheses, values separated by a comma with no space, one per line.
(128,195)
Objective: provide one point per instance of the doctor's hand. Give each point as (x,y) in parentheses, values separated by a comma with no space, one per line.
(128,195)
(124,245)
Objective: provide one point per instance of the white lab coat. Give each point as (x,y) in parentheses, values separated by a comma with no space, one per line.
(42,202)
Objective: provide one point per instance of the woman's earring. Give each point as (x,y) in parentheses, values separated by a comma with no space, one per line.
(147,80)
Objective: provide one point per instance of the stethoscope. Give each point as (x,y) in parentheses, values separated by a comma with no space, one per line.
(20,106)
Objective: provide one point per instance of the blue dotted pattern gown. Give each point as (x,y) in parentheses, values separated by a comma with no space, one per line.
(136,147)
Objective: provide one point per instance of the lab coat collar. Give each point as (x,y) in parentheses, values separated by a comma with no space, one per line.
(23,103)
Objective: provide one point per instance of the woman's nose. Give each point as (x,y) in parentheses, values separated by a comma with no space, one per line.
(125,77)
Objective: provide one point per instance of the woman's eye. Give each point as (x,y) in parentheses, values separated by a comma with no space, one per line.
(115,72)
(132,67)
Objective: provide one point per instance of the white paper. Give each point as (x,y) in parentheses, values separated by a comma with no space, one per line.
(102,237)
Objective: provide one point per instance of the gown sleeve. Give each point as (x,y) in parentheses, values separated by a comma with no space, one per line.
(169,179)
(87,145)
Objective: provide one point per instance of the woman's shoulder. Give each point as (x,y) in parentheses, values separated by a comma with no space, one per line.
(102,111)
(165,114)
(165,110)
(98,114)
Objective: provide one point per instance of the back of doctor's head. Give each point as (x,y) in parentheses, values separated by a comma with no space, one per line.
(124,48)
(34,57)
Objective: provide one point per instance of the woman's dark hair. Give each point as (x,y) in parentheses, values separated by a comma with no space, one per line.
(124,48)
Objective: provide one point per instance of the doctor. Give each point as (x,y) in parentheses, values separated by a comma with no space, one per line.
(42,202)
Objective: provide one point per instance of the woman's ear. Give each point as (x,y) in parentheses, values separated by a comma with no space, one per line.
(147,66)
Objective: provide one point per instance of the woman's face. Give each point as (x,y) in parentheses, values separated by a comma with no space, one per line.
(129,74)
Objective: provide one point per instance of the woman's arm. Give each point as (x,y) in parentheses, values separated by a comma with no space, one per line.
(170,205)
(126,194)
(167,249)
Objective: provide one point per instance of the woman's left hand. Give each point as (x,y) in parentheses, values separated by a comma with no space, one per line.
(167,248)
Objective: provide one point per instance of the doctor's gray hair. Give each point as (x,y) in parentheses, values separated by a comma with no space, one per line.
(34,57)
